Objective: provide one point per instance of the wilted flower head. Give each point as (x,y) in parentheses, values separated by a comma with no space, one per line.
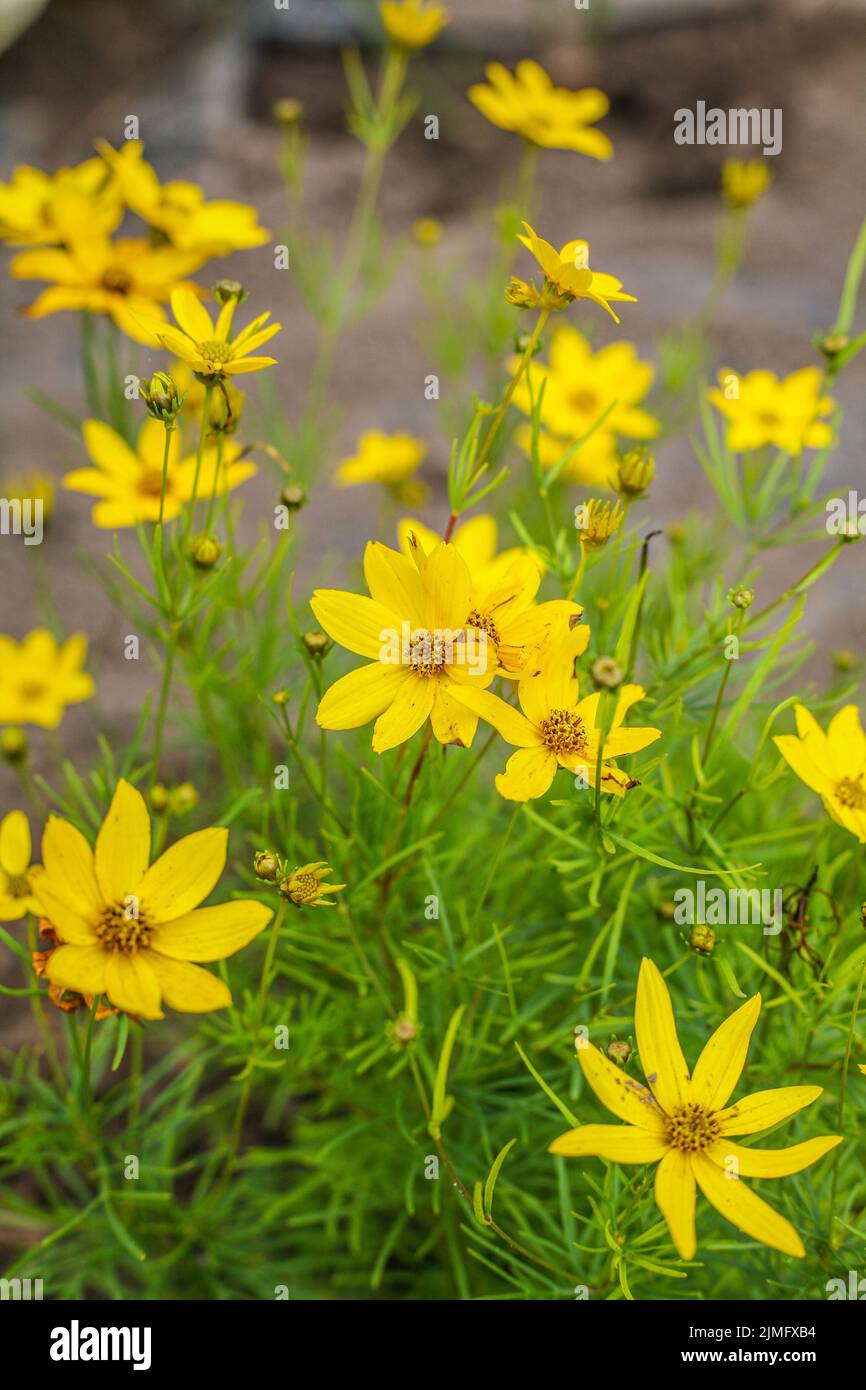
(597,521)
(304,886)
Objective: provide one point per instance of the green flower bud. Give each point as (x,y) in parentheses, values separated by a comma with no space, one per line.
(161,397)
(205,551)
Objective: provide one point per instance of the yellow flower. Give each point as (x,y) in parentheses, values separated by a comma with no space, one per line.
(419,654)
(127,279)
(744,181)
(635,472)
(597,521)
(304,886)
(16,892)
(38,209)
(130,931)
(685,1124)
(568,275)
(528,103)
(412,24)
(427,231)
(556,729)
(764,410)
(832,764)
(129,481)
(33,485)
(502,599)
(206,346)
(579,385)
(179,210)
(391,459)
(39,677)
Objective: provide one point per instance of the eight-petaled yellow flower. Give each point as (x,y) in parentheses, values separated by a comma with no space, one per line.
(762,409)
(527,103)
(832,764)
(206,346)
(39,677)
(568,276)
(129,481)
(131,929)
(684,1122)
(16,890)
(556,728)
(412,24)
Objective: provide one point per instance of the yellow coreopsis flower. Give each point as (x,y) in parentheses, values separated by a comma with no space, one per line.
(527,103)
(127,279)
(130,931)
(744,181)
(504,585)
(419,653)
(762,409)
(206,346)
(39,677)
(389,459)
(568,276)
(685,1123)
(305,887)
(33,486)
(39,209)
(557,729)
(412,24)
(832,764)
(16,891)
(579,385)
(180,210)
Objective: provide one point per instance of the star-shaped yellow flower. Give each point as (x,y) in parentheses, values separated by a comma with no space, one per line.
(130,931)
(412,24)
(832,764)
(40,676)
(763,409)
(684,1122)
(39,209)
(555,728)
(527,103)
(206,345)
(568,274)
(16,893)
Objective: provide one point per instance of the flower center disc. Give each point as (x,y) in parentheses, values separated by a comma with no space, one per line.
(117,281)
(215,351)
(692,1128)
(851,792)
(563,732)
(121,929)
(425,654)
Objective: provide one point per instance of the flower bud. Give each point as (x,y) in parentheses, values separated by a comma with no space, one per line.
(666,909)
(294,497)
(182,799)
(607,673)
(844,659)
(280,697)
(404,1030)
(741,597)
(427,231)
(702,939)
(266,865)
(159,799)
(830,345)
(287,112)
(522,295)
(637,469)
(226,291)
(316,643)
(205,551)
(161,397)
(14,746)
(619,1051)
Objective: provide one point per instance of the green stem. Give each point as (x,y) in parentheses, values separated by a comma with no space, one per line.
(842,1088)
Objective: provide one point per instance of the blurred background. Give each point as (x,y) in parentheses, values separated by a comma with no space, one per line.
(202,77)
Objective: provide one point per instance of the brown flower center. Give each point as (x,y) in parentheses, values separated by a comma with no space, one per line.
(483,623)
(32,690)
(585,401)
(692,1128)
(117,280)
(426,654)
(124,927)
(564,732)
(851,792)
(150,482)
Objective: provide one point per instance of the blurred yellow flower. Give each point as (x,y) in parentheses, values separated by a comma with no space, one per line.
(684,1122)
(38,209)
(832,764)
(130,931)
(127,279)
(129,481)
(304,886)
(179,210)
(39,677)
(16,893)
(568,275)
(744,181)
(527,103)
(412,24)
(596,522)
(579,386)
(427,231)
(391,459)
(762,409)
(556,729)
(206,346)
(32,484)
(410,630)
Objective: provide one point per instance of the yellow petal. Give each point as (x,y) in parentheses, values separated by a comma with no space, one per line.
(846,737)
(771,1163)
(123,844)
(744,1209)
(623,1096)
(447,588)
(720,1065)
(504,718)
(68,861)
(191,315)
(183,876)
(528,773)
(131,984)
(452,721)
(356,622)
(15,844)
(408,710)
(212,933)
(763,1109)
(81,968)
(675,1199)
(660,1053)
(54,902)
(188,988)
(360,696)
(797,756)
(620,1143)
(394,582)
